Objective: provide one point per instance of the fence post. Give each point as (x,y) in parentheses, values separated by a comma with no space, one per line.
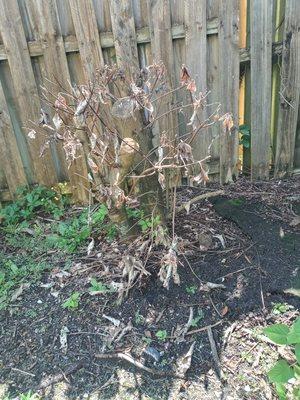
(261,83)
(289,91)
(24,86)
(229,85)
(84,19)
(196,62)
(57,72)
(9,151)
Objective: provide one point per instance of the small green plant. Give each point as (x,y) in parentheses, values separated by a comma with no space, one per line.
(245,139)
(99,287)
(280,308)
(30,202)
(147,340)
(72,303)
(145,223)
(71,234)
(161,335)
(25,396)
(29,396)
(111,231)
(163,362)
(191,289)
(283,371)
(197,319)
(149,223)
(139,319)
(17,271)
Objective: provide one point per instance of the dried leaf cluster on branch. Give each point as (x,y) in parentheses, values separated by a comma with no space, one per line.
(109,121)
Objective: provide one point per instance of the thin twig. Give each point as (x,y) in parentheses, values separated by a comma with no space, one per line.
(193,272)
(22,372)
(200,197)
(204,328)
(131,360)
(174,213)
(214,351)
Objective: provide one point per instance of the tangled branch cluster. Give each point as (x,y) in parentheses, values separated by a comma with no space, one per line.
(109,121)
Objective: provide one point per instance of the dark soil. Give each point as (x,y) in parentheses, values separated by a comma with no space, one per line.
(245,240)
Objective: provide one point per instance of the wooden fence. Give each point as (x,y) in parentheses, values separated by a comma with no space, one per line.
(246,53)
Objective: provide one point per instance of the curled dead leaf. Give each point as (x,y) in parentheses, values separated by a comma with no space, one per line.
(185,76)
(124,108)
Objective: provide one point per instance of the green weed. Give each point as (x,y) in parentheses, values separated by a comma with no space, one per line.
(147,340)
(72,303)
(145,223)
(197,319)
(191,289)
(25,396)
(282,371)
(30,202)
(29,396)
(245,139)
(17,271)
(139,319)
(161,335)
(69,235)
(99,287)
(280,308)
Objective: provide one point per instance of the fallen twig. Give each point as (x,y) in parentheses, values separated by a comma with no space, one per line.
(59,377)
(214,351)
(131,360)
(234,272)
(22,372)
(193,272)
(204,328)
(198,198)
(182,331)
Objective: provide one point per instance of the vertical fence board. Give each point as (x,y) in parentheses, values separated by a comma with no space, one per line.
(127,58)
(58,80)
(124,36)
(297,146)
(10,155)
(229,85)
(162,50)
(213,85)
(85,24)
(289,90)
(24,85)
(261,80)
(196,60)
(161,35)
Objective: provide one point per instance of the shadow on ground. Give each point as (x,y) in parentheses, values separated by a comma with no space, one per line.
(259,266)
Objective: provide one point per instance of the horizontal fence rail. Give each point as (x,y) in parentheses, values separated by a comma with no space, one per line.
(246,54)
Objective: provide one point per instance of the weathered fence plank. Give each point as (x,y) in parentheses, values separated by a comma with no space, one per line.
(261,81)
(121,12)
(10,155)
(289,91)
(213,77)
(162,50)
(58,80)
(24,85)
(229,85)
(85,24)
(196,61)
(126,54)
